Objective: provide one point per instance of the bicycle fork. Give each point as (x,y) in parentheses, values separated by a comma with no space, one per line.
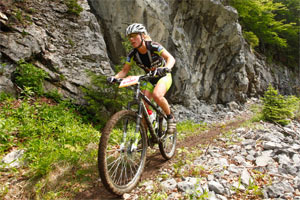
(133,145)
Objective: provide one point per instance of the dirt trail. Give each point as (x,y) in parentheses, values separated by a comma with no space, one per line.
(155,161)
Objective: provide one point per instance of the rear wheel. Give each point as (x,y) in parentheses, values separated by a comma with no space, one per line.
(121,162)
(167,144)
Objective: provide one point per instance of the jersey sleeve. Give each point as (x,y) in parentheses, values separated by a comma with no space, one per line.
(157,48)
(129,58)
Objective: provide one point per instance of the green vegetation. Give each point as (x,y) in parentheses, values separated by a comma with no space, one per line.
(156,195)
(188,127)
(105,98)
(257,114)
(49,133)
(53,136)
(198,194)
(186,156)
(73,7)
(276,108)
(251,38)
(58,143)
(30,78)
(279,109)
(21,16)
(271,27)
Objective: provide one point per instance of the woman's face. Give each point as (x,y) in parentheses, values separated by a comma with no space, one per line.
(135,39)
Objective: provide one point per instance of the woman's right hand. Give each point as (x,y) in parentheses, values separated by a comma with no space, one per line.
(111,79)
(161,71)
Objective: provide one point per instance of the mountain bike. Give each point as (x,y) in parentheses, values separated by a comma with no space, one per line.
(126,137)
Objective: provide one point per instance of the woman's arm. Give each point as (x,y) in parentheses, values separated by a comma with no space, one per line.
(124,71)
(169,58)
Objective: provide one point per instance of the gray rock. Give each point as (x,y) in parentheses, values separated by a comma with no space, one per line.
(223,162)
(283,159)
(296,147)
(13,159)
(269,153)
(148,185)
(190,185)
(174,195)
(279,189)
(221,197)
(263,160)
(272,169)
(216,187)
(271,145)
(252,152)
(250,157)
(169,185)
(296,158)
(246,178)
(233,168)
(297,182)
(212,196)
(287,169)
(233,105)
(239,159)
(238,186)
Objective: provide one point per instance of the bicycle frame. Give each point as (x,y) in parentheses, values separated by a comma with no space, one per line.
(139,96)
(123,144)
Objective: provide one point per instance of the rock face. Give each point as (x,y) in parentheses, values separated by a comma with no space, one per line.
(213,62)
(64,45)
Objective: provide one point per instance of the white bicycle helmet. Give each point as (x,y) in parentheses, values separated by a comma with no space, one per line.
(136,28)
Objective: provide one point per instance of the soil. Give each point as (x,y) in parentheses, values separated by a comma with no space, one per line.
(155,162)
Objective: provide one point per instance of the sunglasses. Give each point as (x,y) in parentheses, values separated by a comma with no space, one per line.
(132,35)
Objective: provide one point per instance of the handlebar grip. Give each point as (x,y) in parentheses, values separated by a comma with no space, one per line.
(168,70)
(111,79)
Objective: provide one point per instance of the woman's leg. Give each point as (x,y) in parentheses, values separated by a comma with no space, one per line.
(158,95)
(161,88)
(149,95)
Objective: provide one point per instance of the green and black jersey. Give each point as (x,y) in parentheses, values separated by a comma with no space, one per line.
(149,61)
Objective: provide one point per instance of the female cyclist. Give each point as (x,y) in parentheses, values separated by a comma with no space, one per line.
(150,56)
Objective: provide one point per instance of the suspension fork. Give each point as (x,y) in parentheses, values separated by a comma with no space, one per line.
(141,109)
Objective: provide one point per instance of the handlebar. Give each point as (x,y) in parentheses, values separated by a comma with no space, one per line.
(150,75)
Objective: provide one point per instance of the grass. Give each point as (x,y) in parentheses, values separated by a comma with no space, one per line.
(60,147)
(189,128)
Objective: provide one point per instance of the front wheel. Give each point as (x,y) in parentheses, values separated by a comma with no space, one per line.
(121,159)
(167,143)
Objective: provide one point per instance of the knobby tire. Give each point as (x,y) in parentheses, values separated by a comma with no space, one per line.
(106,170)
(167,145)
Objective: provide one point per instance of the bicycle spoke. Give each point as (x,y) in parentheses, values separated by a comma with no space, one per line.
(120,176)
(126,177)
(113,162)
(119,167)
(131,171)
(123,173)
(116,170)
(134,163)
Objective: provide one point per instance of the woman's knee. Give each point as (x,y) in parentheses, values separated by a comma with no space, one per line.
(157,96)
